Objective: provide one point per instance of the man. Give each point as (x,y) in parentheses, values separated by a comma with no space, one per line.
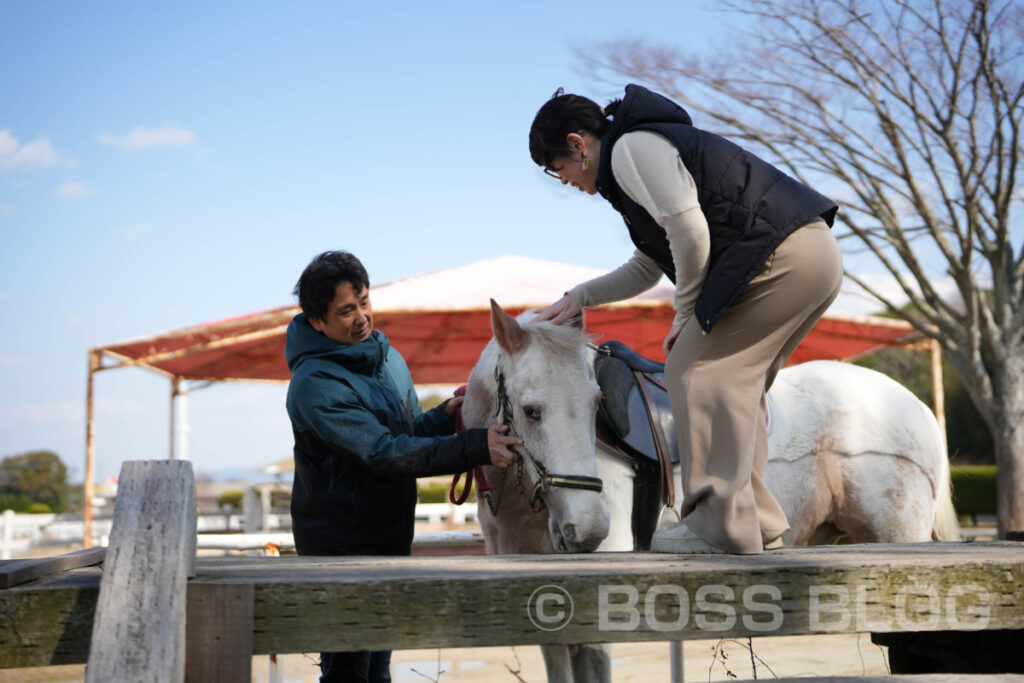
(360,436)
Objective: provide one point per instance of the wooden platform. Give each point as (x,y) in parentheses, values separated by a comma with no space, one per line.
(302,604)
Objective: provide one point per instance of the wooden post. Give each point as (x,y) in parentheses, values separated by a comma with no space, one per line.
(139,629)
(89,490)
(219,633)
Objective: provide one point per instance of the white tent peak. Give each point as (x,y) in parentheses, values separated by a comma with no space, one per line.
(511,280)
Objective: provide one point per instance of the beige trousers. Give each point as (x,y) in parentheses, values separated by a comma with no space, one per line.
(717,384)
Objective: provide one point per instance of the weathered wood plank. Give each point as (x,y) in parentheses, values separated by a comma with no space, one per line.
(219,633)
(139,627)
(48,622)
(17,572)
(368,603)
(306,604)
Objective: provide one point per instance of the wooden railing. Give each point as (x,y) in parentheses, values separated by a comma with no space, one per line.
(154,611)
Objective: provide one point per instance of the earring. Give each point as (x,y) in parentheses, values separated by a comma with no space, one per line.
(586,162)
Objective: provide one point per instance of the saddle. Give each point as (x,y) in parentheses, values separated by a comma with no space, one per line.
(635,420)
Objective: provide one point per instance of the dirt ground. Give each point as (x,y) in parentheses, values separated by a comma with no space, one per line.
(704,660)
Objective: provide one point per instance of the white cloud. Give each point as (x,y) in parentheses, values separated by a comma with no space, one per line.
(35,154)
(6,211)
(74,190)
(853,300)
(133,232)
(147,138)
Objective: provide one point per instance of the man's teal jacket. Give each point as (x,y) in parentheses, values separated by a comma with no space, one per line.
(361,440)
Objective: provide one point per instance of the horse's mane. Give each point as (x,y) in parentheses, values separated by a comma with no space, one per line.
(554,338)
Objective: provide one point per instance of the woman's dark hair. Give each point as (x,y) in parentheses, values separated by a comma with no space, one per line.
(319,281)
(561,115)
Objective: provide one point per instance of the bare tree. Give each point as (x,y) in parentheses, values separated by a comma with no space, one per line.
(909,113)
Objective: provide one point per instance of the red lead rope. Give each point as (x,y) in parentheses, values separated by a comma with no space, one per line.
(475,473)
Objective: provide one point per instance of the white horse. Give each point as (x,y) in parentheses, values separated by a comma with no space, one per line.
(852,454)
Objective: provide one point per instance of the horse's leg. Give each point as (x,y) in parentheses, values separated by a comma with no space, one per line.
(887,499)
(586,663)
(557,663)
(808,487)
(578,663)
(591,663)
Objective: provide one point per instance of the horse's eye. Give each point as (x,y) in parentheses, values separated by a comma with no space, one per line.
(532,413)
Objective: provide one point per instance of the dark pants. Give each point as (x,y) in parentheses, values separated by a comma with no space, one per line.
(355,667)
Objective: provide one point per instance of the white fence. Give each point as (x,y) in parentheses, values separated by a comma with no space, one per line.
(19,533)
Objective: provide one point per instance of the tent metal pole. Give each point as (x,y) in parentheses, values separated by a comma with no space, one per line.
(88,490)
(938,393)
(182,430)
(175,384)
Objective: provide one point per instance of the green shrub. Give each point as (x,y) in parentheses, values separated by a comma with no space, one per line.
(231,499)
(39,509)
(974,489)
(14,502)
(437,492)
(432,492)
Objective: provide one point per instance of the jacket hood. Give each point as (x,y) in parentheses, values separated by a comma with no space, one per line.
(303,343)
(641,105)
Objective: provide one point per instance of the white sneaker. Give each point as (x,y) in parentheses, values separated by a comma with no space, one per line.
(679,538)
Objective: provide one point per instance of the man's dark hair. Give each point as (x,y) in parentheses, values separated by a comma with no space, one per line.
(319,281)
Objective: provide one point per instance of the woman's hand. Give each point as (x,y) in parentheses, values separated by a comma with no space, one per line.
(498,444)
(559,312)
(670,340)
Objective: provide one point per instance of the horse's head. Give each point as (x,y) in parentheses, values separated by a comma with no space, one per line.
(550,397)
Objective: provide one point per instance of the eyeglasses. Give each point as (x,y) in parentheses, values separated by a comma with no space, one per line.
(557,173)
(553,173)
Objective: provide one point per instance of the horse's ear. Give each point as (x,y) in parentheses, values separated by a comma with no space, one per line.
(575,321)
(511,337)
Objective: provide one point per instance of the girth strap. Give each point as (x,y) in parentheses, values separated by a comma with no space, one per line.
(668,484)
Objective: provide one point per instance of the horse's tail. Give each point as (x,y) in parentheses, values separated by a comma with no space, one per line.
(946,526)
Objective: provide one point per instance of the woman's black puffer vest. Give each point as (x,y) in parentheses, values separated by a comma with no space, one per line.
(750,205)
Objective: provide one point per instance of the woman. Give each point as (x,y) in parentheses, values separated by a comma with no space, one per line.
(755,265)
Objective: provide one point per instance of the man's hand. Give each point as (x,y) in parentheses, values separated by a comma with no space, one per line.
(452,404)
(498,444)
(562,310)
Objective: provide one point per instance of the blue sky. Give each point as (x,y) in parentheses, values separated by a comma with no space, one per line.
(163,165)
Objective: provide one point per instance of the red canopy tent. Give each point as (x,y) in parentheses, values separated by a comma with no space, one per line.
(440,322)
(440,325)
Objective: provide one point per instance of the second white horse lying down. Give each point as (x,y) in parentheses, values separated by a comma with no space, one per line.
(851,453)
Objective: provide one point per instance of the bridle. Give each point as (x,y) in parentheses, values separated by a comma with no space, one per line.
(543,479)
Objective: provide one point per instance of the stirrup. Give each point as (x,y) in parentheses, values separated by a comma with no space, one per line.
(661,513)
